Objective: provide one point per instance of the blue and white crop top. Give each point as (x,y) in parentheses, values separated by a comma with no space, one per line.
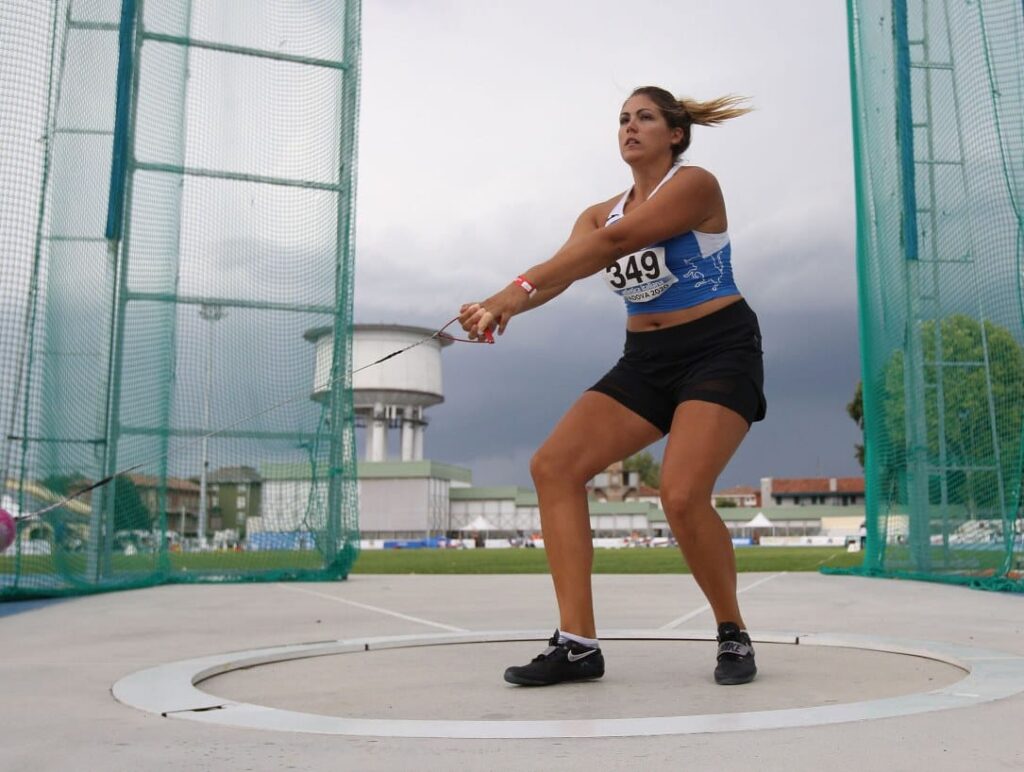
(682,271)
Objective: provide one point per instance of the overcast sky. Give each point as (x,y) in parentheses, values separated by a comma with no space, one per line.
(487,128)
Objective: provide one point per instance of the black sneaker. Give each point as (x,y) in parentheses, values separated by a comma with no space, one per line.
(569,661)
(735,656)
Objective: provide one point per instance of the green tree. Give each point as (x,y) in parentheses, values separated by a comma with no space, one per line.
(130,513)
(649,469)
(65,484)
(977,427)
(855,409)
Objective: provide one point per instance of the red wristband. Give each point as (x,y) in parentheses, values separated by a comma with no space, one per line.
(526,284)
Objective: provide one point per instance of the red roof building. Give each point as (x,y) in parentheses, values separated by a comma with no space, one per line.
(616,484)
(833,491)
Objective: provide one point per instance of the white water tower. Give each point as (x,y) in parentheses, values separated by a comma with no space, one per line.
(393,394)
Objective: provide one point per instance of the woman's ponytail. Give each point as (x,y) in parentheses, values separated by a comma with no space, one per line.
(684,112)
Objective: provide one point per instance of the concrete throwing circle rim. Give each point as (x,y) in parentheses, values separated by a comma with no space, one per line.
(169,690)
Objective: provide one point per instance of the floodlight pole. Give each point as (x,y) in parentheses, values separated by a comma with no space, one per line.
(210,313)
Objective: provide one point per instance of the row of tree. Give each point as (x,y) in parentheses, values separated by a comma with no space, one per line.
(130,513)
(972,402)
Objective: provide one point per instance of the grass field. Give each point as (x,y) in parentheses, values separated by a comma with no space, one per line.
(434,561)
(606,561)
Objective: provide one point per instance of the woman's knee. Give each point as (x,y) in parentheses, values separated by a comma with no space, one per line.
(683,500)
(551,465)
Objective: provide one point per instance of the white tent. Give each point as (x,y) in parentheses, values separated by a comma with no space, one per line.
(478,524)
(760,521)
(8,503)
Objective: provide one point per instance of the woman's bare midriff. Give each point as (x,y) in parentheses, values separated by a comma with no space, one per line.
(649,322)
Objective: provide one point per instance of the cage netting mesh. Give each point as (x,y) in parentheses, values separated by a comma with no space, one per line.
(938,98)
(178,184)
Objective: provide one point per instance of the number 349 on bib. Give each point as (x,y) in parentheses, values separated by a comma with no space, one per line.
(636,269)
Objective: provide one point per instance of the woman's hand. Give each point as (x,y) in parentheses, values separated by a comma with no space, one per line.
(497,310)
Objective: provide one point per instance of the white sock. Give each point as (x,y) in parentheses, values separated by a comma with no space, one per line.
(593,643)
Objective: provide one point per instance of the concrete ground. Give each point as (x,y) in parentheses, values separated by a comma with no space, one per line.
(61,658)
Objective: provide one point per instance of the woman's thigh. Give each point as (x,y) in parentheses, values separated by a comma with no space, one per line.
(595,432)
(704,437)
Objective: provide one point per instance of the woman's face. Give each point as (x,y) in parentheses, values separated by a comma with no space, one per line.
(643,131)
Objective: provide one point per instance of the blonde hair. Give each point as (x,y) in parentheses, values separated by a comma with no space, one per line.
(683,112)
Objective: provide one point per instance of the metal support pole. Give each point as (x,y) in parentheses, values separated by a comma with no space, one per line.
(210,314)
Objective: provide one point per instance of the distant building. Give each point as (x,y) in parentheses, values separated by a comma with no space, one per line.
(811,491)
(785,520)
(235,494)
(181,505)
(510,510)
(616,484)
(411,499)
(647,494)
(738,496)
(397,499)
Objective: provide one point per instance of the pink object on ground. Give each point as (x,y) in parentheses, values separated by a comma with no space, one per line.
(7,529)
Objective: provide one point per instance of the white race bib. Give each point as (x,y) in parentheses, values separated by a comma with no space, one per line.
(641,276)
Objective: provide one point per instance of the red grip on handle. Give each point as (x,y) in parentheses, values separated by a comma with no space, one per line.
(488,336)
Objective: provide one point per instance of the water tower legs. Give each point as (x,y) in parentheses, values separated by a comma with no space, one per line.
(409,434)
(377,436)
(417,434)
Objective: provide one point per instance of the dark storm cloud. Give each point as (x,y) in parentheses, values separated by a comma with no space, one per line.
(797,269)
(474,168)
(474,161)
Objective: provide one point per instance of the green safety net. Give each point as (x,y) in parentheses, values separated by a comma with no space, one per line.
(178,186)
(938,98)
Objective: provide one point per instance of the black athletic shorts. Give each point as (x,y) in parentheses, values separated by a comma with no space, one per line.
(716,358)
